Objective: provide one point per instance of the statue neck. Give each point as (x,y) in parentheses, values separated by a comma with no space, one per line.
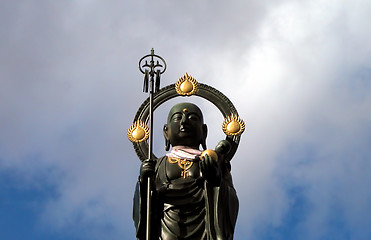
(184,152)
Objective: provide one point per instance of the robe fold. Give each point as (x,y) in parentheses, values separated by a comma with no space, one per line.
(187,208)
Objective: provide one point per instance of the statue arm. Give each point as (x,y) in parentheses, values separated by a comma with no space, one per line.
(147,169)
(227,216)
(228,206)
(226,201)
(222,207)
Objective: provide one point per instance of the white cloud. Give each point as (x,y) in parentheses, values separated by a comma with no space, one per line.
(297,71)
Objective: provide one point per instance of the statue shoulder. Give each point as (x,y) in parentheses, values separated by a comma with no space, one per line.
(159,161)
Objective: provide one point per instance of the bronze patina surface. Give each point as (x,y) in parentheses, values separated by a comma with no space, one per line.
(193,196)
(186,194)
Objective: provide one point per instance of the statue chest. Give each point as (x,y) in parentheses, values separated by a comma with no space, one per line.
(182,169)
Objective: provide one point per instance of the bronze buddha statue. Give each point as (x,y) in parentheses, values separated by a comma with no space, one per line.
(193,196)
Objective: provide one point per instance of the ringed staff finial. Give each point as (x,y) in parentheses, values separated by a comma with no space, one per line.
(151,65)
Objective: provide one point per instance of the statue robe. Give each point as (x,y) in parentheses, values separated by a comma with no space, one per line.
(186,208)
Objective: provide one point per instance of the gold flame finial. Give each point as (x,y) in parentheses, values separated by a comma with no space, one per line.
(138,131)
(186,85)
(233,125)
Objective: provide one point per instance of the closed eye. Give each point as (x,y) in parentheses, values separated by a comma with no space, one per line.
(177,117)
(193,117)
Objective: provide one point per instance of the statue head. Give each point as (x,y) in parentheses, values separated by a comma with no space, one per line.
(185,127)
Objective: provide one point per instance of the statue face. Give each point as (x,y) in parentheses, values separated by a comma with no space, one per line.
(185,126)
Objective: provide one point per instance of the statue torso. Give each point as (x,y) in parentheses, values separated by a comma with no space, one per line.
(182,199)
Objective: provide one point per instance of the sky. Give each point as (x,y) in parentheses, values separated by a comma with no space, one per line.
(298,72)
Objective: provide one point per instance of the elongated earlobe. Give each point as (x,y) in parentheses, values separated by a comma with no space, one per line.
(203,144)
(204,135)
(167,141)
(167,145)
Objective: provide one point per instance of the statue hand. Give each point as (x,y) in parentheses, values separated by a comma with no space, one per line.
(210,170)
(223,147)
(147,169)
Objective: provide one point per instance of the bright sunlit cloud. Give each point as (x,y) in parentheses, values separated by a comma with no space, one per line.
(298,73)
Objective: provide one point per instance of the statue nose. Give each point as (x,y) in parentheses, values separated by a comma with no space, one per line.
(184,119)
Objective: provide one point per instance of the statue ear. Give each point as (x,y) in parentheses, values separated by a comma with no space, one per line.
(204,135)
(167,140)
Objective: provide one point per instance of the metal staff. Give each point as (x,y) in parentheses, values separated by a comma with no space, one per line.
(149,71)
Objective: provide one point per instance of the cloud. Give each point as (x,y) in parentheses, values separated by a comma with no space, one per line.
(297,71)
(300,96)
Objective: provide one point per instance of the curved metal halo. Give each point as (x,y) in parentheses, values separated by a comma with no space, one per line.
(211,94)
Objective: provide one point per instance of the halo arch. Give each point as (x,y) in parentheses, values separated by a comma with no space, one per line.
(209,93)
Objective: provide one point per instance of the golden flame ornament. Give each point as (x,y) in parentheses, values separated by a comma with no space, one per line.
(233,125)
(184,164)
(138,131)
(186,85)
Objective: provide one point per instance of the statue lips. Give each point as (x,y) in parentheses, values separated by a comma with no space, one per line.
(184,130)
